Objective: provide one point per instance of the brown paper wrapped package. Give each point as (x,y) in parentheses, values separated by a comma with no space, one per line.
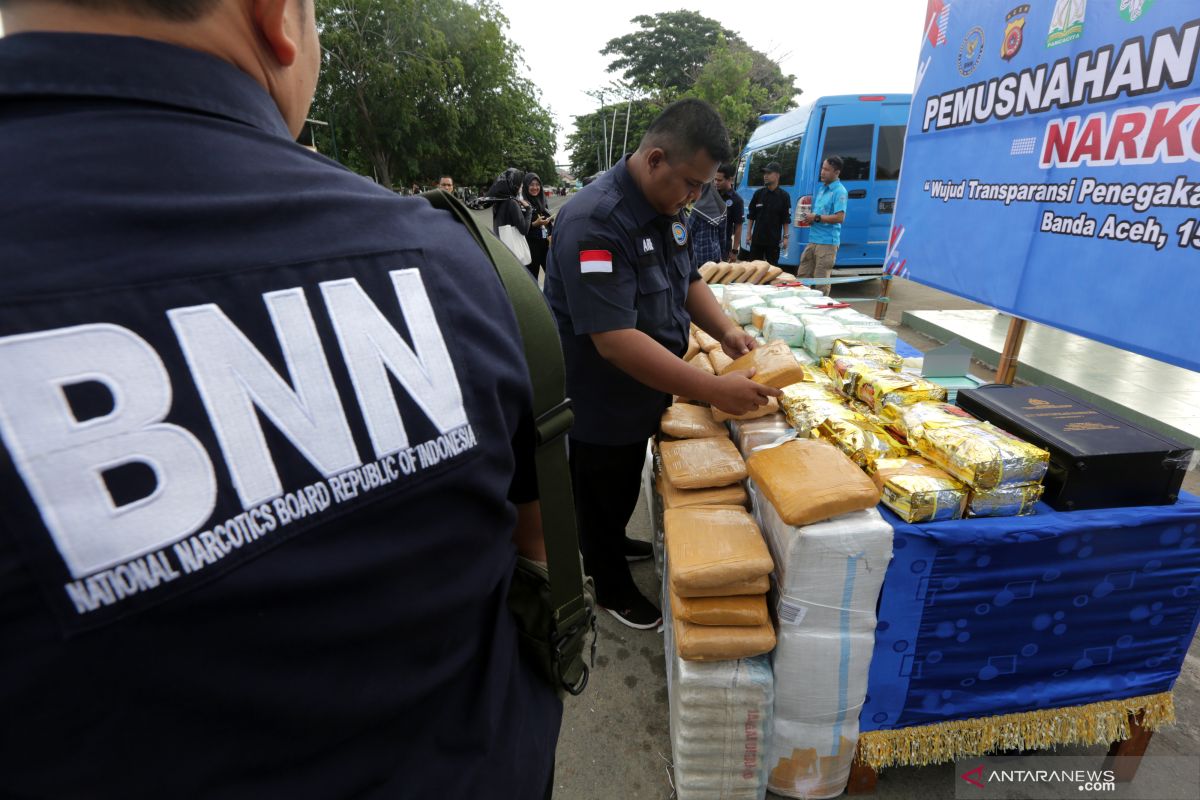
(719,360)
(761,270)
(701,463)
(723,643)
(701,361)
(754,586)
(771,407)
(720,272)
(808,480)
(685,421)
(774,364)
(713,547)
(692,349)
(732,495)
(707,343)
(742,612)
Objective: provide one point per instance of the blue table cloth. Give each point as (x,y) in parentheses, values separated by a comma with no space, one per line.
(996,616)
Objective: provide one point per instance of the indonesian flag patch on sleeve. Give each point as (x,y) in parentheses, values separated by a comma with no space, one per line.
(595,261)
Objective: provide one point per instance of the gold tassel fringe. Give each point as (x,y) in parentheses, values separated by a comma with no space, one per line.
(1095,723)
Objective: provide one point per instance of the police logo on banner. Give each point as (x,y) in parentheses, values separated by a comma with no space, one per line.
(970,52)
(1014,32)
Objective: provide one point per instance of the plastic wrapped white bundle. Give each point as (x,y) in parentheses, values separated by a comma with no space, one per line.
(874,333)
(753,331)
(803,356)
(780,292)
(784,326)
(811,761)
(718,291)
(819,336)
(824,563)
(752,433)
(819,675)
(720,724)
(741,308)
(809,291)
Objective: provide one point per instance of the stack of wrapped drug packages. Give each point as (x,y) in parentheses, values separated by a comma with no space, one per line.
(717,576)
(684,421)
(831,549)
(999,473)
(749,272)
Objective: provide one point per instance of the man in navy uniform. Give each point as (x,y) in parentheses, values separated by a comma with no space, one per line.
(622,287)
(265,453)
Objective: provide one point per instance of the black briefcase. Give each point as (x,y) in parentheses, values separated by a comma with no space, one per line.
(1097,460)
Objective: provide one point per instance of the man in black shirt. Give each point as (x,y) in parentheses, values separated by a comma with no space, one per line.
(770,210)
(732,238)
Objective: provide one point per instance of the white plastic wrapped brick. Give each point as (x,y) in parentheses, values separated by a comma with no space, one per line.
(811,760)
(832,561)
(819,335)
(820,674)
(720,724)
(784,326)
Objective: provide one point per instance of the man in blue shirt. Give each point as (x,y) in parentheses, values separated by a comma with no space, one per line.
(623,290)
(825,234)
(265,436)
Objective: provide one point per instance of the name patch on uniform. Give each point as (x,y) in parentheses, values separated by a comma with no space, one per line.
(647,245)
(595,261)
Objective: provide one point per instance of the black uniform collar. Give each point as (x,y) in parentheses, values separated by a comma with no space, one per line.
(643,212)
(91,65)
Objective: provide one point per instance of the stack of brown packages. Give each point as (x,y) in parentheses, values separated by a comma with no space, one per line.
(718,569)
(701,472)
(740,272)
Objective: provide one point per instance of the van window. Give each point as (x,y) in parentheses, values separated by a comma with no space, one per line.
(786,153)
(889,153)
(853,144)
(741,170)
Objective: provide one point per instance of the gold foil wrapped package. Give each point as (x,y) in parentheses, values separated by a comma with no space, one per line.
(845,371)
(881,387)
(979,453)
(917,491)
(807,405)
(902,420)
(868,352)
(1005,501)
(860,438)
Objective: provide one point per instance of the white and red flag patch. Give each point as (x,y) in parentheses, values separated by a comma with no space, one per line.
(593,261)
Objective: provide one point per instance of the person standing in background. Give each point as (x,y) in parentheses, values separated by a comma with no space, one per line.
(735,213)
(446,184)
(509,208)
(825,234)
(706,226)
(769,214)
(540,223)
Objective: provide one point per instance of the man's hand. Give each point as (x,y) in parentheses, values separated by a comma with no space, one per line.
(736,394)
(736,342)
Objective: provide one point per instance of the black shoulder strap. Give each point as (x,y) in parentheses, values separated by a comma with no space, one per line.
(552,415)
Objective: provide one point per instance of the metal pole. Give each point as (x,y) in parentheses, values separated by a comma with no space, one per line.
(625,141)
(600,165)
(881,305)
(614,135)
(1007,371)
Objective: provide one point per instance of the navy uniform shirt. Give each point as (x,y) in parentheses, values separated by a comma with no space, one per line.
(256,456)
(616,263)
(770,211)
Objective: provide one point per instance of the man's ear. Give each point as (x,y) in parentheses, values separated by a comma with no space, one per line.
(656,158)
(277,28)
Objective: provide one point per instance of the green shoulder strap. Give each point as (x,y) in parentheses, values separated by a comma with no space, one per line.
(552,415)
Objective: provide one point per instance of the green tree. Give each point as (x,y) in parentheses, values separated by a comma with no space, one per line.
(416,88)
(664,57)
(586,143)
(726,83)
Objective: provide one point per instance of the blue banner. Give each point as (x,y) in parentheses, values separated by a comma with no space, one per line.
(1052,166)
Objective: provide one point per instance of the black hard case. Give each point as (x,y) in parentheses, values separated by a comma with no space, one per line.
(1097,460)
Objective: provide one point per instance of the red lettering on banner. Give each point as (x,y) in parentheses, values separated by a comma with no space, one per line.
(1088,145)
(1059,134)
(1126,127)
(1167,130)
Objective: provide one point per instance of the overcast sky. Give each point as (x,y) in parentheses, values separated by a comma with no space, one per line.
(840,47)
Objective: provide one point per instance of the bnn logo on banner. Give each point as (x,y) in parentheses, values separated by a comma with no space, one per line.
(1052,166)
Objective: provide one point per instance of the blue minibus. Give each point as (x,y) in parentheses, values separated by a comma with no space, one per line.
(867,131)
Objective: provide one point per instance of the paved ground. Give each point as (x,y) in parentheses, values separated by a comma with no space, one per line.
(615,739)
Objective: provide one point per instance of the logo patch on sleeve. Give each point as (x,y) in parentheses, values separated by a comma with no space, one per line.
(595,261)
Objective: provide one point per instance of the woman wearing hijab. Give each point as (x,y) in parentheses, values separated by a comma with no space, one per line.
(539,226)
(706,226)
(508,208)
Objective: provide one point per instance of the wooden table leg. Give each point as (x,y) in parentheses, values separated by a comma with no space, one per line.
(862,778)
(1125,757)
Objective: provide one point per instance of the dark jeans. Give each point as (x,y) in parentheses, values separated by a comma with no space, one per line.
(606,481)
(538,247)
(765,252)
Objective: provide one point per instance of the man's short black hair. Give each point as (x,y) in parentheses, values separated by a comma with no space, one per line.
(835,162)
(173,10)
(686,126)
(728,170)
